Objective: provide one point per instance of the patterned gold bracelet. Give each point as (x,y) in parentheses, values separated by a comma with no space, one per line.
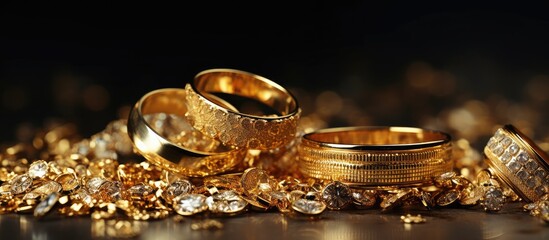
(380,157)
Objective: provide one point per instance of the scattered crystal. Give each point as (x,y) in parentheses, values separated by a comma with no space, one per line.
(178,187)
(493,199)
(46,205)
(226,202)
(94,184)
(364,198)
(190,204)
(447,197)
(20,183)
(38,169)
(336,195)
(68,181)
(309,207)
(44,189)
(396,199)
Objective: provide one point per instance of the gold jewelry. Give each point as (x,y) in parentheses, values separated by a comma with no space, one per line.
(197,155)
(518,162)
(375,156)
(236,129)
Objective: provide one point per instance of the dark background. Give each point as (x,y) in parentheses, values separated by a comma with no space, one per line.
(457,66)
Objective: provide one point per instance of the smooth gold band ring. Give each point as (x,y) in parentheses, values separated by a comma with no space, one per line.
(518,162)
(237,129)
(197,156)
(380,157)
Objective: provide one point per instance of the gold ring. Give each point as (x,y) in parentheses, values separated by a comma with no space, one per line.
(237,129)
(379,157)
(518,162)
(193,154)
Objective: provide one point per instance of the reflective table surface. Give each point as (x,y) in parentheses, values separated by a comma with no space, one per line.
(448,223)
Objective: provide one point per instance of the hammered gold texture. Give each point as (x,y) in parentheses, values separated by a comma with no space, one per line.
(236,130)
(375,168)
(507,176)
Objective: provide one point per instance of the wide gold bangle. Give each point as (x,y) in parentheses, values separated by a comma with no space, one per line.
(379,157)
(518,162)
(237,129)
(189,159)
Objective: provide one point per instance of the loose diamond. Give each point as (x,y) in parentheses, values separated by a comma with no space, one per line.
(493,199)
(94,184)
(448,197)
(68,181)
(190,204)
(44,189)
(364,198)
(309,207)
(20,184)
(45,206)
(226,202)
(336,195)
(38,169)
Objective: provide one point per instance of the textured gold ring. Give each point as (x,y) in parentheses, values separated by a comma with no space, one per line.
(380,157)
(198,155)
(237,129)
(518,162)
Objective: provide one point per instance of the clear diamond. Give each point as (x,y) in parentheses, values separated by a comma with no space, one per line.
(20,184)
(531,165)
(336,195)
(493,199)
(48,188)
(492,143)
(506,141)
(498,150)
(513,149)
(226,202)
(499,135)
(68,181)
(522,157)
(138,191)
(522,175)
(364,198)
(189,204)
(513,166)
(45,206)
(178,187)
(448,197)
(94,184)
(530,182)
(309,207)
(38,169)
(540,173)
(506,157)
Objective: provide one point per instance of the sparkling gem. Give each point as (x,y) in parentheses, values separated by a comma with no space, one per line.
(309,207)
(513,166)
(506,141)
(94,184)
(38,169)
(44,189)
(226,202)
(522,175)
(530,182)
(492,143)
(513,149)
(522,157)
(190,204)
(505,157)
(447,197)
(540,174)
(364,198)
(176,188)
(499,135)
(140,190)
(531,165)
(493,199)
(68,181)
(396,199)
(20,184)
(498,150)
(336,195)
(46,205)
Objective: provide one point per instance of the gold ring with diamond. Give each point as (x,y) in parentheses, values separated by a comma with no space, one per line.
(376,157)
(518,162)
(262,131)
(160,132)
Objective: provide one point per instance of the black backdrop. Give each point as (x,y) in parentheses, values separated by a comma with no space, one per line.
(83,62)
